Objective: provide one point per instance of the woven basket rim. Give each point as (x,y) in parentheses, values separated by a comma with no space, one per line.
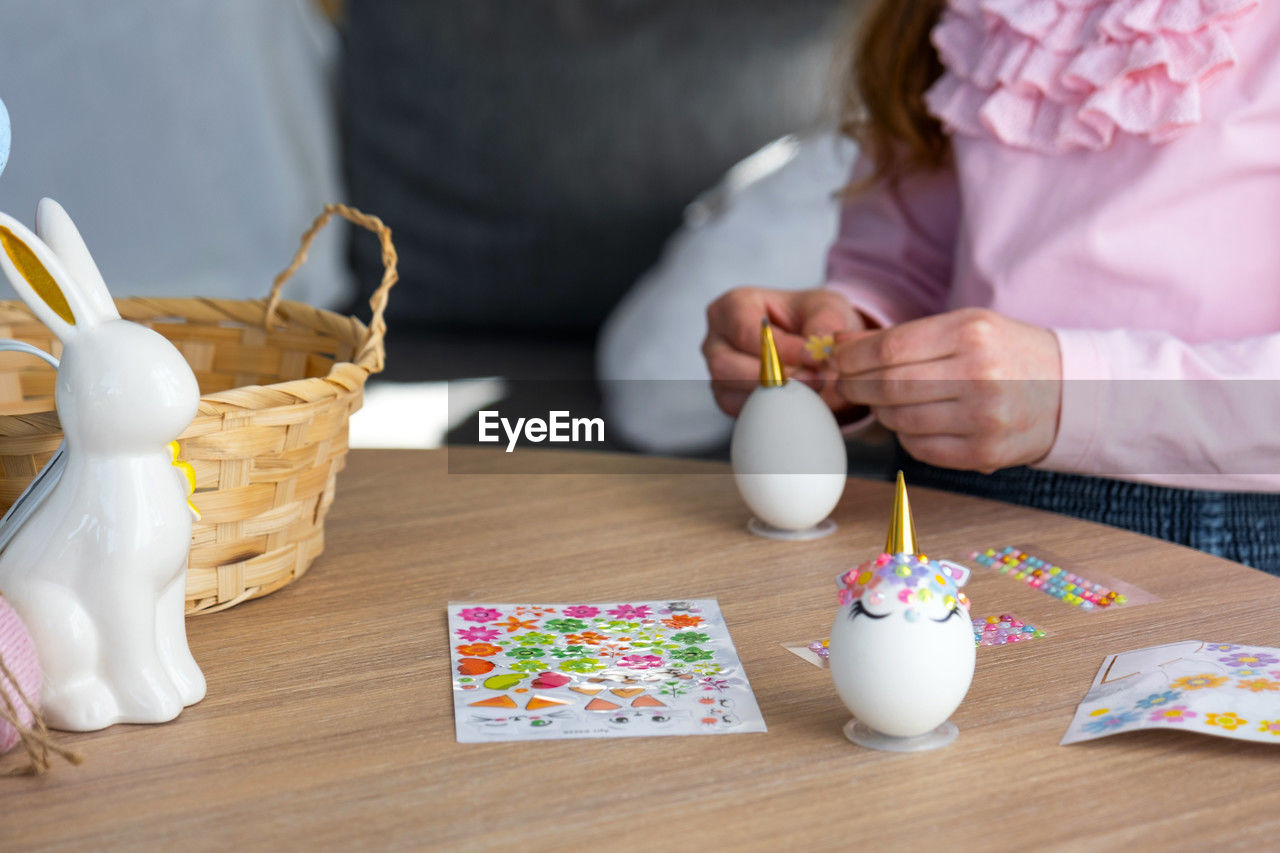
(214,403)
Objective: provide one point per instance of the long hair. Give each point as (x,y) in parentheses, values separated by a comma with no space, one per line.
(882,91)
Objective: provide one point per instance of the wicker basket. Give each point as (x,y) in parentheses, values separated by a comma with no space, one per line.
(279,382)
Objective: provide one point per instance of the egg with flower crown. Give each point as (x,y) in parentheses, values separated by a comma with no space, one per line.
(902,652)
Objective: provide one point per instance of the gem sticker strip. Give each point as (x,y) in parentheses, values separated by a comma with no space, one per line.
(621,669)
(1088,594)
(1223,689)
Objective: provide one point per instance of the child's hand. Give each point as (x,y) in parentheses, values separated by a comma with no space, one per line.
(732,345)
(966,389)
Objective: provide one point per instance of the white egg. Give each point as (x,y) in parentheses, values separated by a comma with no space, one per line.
(905,672)
(788,456)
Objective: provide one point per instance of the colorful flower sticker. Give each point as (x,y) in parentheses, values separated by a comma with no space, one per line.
(582,665)
(571,651)
(564,626)
(689,654)
(590,638)
(1199,682)
(529,666)
(630,611)
(533,638)
(479,614)
(1110,722)
(1157,699)
(512,624)
(1221,647)
(477,634)
(581,611)
(1250,659)
(640,661)
(681,620)
(690,638)
(525,652)
(1229,721)
(1271,727)
(1258,685)
(479,650)
(1172,714)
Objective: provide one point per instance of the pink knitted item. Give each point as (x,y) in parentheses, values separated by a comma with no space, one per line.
(1066,75)
(19,655)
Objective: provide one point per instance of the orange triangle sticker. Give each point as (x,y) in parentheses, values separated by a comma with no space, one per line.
(538,702)
(496,702)
(601,705)
(626,692)
(590,691)
(647,701)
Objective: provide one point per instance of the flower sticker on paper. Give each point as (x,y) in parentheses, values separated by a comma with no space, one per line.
(1157,699)
(640,661)
(1258,685)
(512,624)
(1109,722)
(1173,714)
(1220,647)
(1271,727)
(473,635)
(1229,721)
(590,638)
(581,611)
(583,665)
(528,666)
(1250,659)
(533,638)
(690,638)
(480,614)
(479,650)
(630,611)
(690,654)
(565,626)
(1199,682)
(680,620)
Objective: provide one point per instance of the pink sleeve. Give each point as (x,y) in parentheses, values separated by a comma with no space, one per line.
(893,253)
(1146,406)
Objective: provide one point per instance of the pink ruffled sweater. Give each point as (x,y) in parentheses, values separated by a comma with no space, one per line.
(1116,180)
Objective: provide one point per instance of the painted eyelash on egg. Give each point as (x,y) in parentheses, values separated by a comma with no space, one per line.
(859,609)
(955,611)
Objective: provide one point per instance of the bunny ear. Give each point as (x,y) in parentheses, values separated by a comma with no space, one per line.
(59,233)
(39,278)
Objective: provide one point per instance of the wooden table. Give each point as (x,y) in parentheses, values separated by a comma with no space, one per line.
(329,718)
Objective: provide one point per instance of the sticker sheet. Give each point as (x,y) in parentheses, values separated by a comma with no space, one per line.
(618,669)
(1222,689)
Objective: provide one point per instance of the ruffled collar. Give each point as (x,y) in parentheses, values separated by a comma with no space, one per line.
(1068,75)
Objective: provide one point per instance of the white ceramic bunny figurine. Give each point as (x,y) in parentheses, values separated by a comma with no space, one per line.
(97,570)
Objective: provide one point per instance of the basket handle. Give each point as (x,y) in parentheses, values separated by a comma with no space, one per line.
(373,343)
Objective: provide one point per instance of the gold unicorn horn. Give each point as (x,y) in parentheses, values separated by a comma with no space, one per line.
(902,530)
(771,375)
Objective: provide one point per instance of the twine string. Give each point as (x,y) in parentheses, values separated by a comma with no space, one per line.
(35,738)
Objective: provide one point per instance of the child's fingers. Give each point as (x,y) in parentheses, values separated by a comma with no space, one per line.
(944,418)
(927,382)
(926,339)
